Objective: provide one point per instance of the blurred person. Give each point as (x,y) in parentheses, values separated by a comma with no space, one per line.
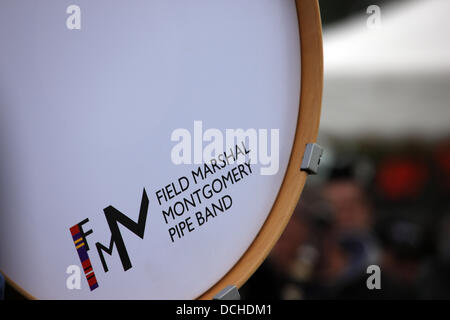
(353,219)
(349,246)
(408,210)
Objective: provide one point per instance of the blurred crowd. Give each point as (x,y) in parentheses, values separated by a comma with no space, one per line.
(394,213)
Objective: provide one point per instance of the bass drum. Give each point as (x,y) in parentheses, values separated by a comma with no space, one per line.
(151,149)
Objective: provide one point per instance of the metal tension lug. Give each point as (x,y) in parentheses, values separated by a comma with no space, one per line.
(228,293)
(311,158)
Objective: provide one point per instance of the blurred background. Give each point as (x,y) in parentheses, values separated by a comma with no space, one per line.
(382,195)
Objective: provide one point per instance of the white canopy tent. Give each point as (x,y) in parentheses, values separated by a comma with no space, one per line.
(391,82)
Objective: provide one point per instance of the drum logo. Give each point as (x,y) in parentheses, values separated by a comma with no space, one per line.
(113,218)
